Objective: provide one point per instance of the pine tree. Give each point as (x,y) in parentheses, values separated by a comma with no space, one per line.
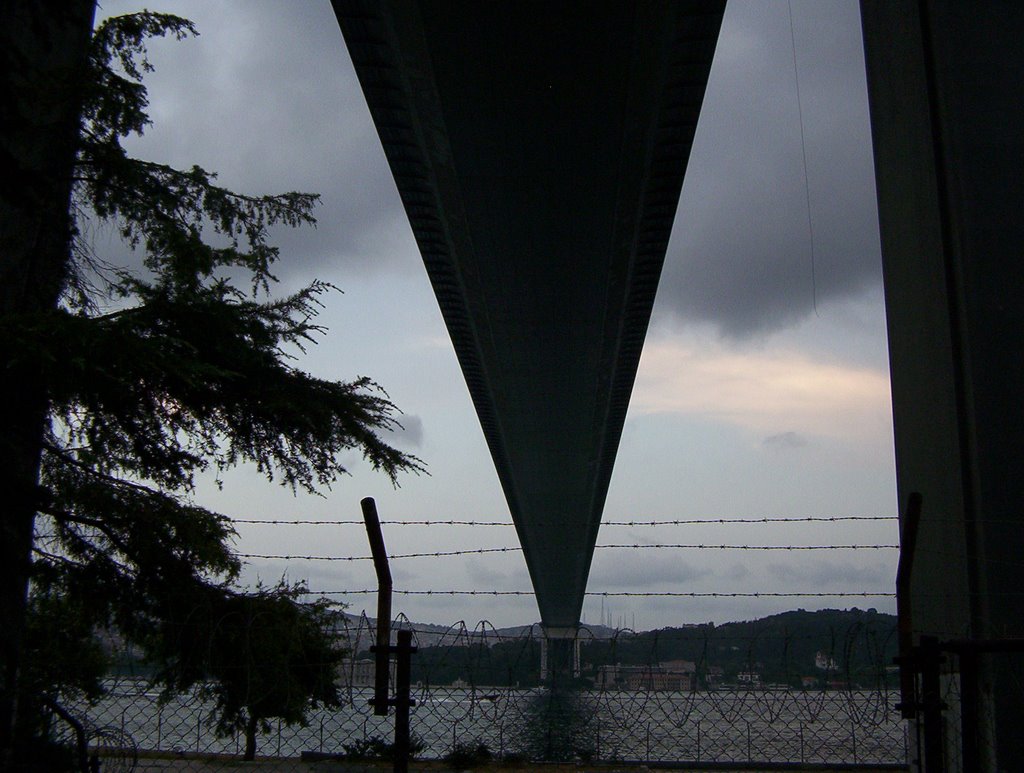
(148,378)
(256,656)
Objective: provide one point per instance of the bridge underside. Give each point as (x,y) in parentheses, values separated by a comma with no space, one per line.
(539,149)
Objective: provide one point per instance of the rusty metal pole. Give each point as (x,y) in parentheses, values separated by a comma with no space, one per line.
(379,701)
(383,649)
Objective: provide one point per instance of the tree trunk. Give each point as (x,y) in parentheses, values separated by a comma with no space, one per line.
(250,739)
(43,53)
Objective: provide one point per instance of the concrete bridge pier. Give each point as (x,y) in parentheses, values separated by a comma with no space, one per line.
(559,654)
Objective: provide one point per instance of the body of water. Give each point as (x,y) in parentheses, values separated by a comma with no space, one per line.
(834,726)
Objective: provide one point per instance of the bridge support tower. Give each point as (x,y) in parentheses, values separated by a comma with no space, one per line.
(559,654)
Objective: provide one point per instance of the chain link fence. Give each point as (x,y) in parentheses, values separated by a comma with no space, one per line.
(628,699)
(755,726)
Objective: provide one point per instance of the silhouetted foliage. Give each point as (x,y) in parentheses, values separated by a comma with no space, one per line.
(377,748)
(513,662)
(156,374)
(64,659)
(257,655)
(467,755)
(858,646)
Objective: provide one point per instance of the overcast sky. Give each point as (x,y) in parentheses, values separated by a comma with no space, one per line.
(763,389)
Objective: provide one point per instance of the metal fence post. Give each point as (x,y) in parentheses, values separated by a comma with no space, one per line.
(383,571)
(403,701)
(802,757)
(749,755)
(383,649)
(698,740)
(931,701)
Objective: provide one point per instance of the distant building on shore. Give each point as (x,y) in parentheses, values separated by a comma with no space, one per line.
(824,662)
(749,678)
(360,673)
(670,676)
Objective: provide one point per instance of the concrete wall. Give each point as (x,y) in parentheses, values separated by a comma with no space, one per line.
(944,82)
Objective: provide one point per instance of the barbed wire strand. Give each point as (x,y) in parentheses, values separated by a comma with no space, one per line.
(482,551)
(484,629)
(607,594)
(674,522)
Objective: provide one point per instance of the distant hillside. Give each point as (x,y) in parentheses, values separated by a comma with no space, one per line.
(854,646)
(799,648)
(829,647)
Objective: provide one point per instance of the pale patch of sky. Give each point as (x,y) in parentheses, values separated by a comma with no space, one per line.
(770,391)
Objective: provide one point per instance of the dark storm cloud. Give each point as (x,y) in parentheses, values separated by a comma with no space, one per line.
(410,433)
(740,257)
(281,111)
